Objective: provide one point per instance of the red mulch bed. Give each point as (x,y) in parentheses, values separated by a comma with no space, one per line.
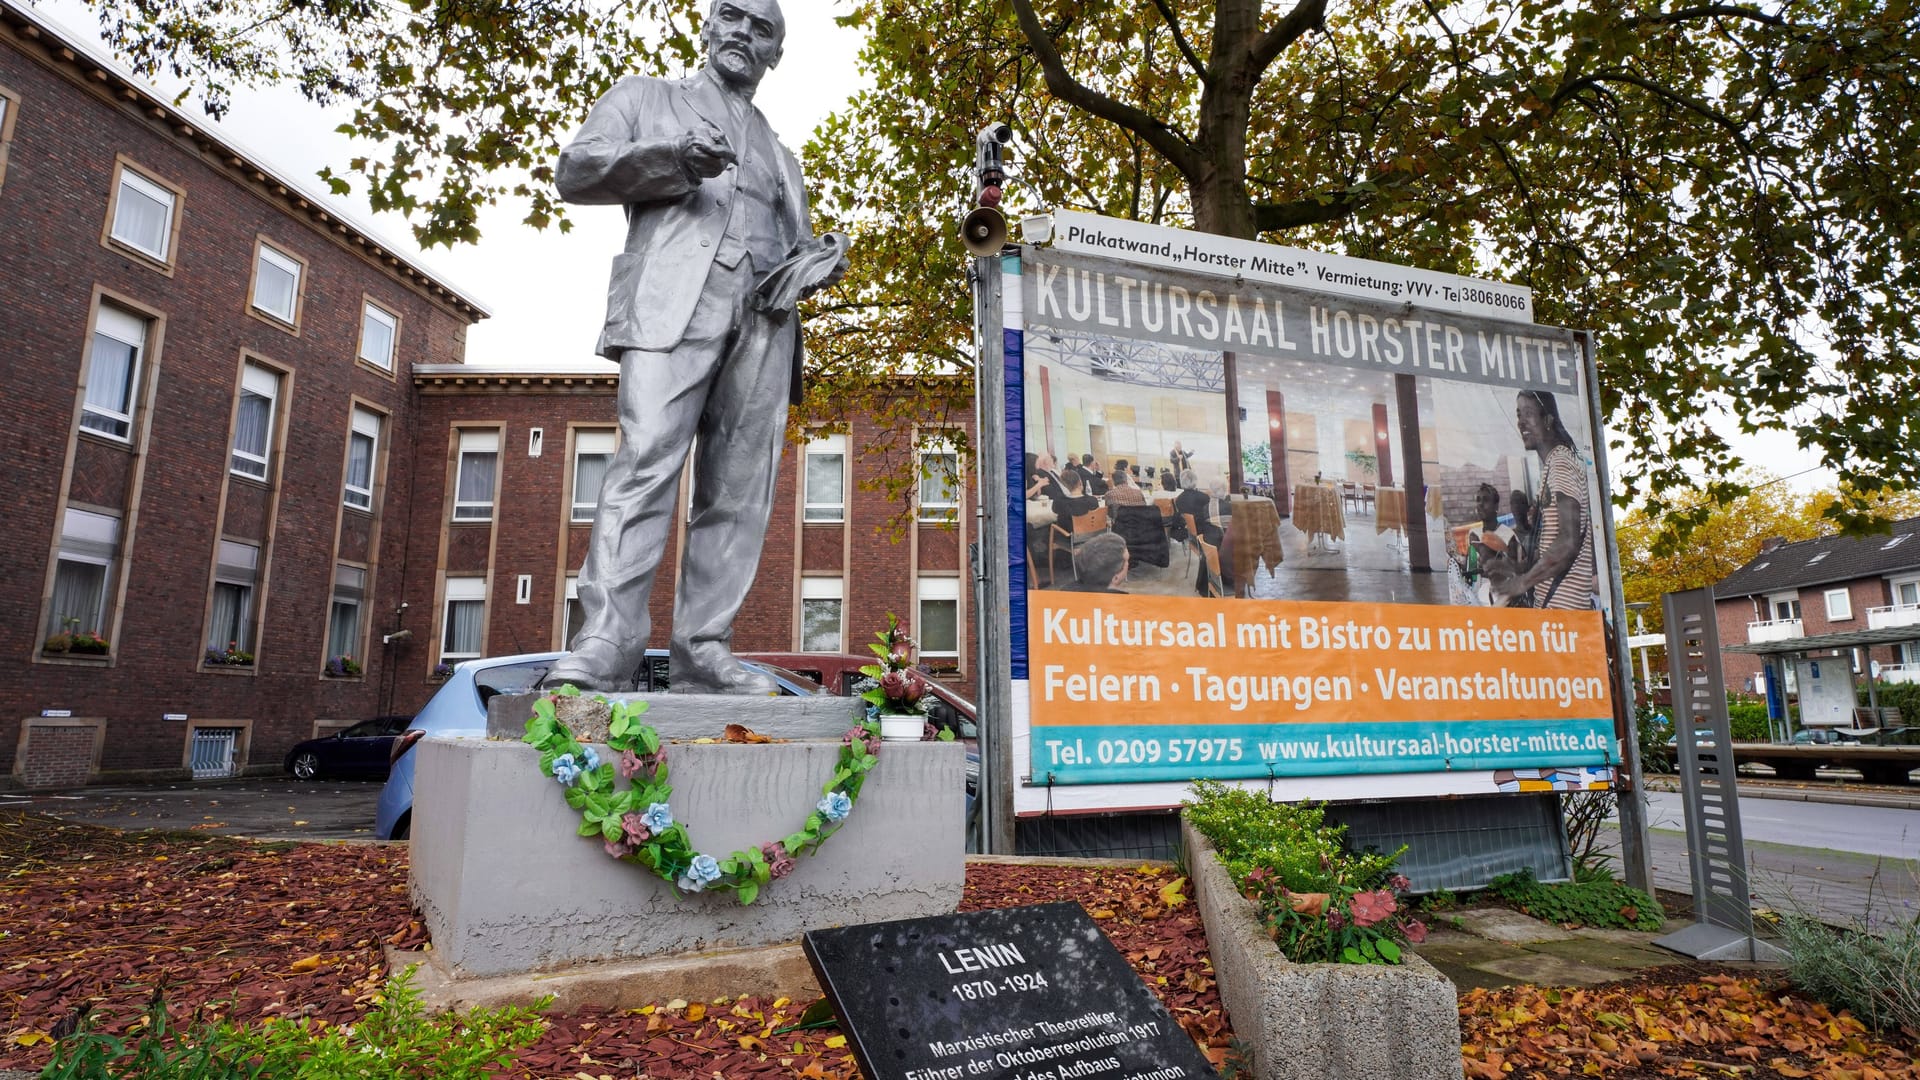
(244,930)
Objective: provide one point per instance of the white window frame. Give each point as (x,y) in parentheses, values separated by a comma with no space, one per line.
(590,443)
(371,312)
(823,513)
(90,539)
(463,590)
(365,424)
(1774,600)
(567,629)
(1840,609)
(9,110)
(937,513)
(144,186)
(237,565)
(257,380)
(479,443)
(346,594)
(822,590)
(121,327)
(1894,585)
(942,589)
(286,263)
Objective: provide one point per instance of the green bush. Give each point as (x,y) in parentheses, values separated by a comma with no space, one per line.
(1874,976)
(1593,900)
(1321,902)
(398,1039)
(1749,721)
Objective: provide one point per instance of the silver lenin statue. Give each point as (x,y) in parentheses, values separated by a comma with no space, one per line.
(700,316)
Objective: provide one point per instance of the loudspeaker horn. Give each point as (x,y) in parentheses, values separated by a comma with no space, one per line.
(984,231)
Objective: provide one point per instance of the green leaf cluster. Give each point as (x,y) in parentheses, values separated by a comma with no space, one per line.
(398,1040)
(1596,901)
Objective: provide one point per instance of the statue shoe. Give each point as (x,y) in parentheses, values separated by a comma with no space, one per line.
(722,674)
(590,666)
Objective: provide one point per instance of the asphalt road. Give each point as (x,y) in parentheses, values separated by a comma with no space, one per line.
(1867,830)
(270,808)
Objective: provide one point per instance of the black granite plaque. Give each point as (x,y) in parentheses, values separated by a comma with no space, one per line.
(1030,993)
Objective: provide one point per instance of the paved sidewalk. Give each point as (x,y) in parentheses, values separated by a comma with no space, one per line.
(262,807)
(1493,947)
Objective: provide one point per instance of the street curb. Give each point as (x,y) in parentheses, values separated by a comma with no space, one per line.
(1838,798)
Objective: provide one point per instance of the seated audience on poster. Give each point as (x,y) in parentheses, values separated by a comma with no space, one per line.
(1123,492)
(1143,529)
(1099,565)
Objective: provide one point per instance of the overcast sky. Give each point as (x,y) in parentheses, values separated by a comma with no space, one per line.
(546,290)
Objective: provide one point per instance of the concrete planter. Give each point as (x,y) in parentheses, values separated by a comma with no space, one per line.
(1320,1021)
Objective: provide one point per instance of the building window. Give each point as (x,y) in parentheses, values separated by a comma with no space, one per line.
(113,371)
(464,631)
(1906,592)
(826,479)
(1783,606)
(822,600)
(592,453)
(939,484)
(473,486)
(343,619)
(575,616)
(1839,605)
(363,446)
(276,284)
(143,215)
(230,628)
(379,329)
(253,423)
(939,618)
(89,543)
(9,108)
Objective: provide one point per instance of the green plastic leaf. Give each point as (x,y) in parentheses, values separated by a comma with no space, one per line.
(748,892)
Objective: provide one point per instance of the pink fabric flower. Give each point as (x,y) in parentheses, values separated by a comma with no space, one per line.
(633,828)
(779,863)
(619,849)
(1371,907)
(1399,883)
(1415,930)
(629,765)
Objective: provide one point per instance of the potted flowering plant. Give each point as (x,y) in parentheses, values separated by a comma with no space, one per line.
(442,670)
(231,656)
(74,640)
(896,694)
(341,667)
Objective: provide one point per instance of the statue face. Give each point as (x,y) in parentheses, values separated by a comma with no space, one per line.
(743,39)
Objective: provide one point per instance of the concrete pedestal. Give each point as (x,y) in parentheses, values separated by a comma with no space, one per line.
(507,887)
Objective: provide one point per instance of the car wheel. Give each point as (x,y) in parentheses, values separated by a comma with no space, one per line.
(404,830)
(307,765)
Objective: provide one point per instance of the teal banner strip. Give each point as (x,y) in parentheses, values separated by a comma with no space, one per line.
(1119,754)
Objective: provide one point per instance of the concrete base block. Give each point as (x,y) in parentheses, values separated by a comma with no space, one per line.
(506,886)
(772,972)
(1320,1021)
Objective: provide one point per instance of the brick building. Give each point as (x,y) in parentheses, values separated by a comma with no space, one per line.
(238,420)
(1854,597)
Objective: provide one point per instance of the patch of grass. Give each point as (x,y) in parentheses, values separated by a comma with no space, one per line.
(1599,902)
(1873,975)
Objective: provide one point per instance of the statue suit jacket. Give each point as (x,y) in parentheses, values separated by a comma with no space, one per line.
(629,152)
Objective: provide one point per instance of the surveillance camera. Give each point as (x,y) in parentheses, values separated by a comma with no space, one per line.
(403,605)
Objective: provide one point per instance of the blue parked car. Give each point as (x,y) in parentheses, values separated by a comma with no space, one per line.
(459,710)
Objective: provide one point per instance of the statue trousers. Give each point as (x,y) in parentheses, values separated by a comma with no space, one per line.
(727,382)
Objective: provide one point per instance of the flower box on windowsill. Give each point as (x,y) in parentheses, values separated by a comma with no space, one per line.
(341,667)
(230,657)
(79,643)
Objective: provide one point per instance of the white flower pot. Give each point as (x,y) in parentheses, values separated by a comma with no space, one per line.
(902,728)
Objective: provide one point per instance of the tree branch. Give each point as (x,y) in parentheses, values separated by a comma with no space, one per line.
(1064,86)
(1306,15)
(1708,11)
(1180,39)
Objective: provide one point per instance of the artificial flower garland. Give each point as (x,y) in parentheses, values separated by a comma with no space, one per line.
(636,824)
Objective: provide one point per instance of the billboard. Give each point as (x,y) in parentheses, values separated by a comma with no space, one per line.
(1327,525)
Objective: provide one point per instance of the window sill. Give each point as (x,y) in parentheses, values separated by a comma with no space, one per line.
(115,441)
(362,677)
(275,321)
(250,479)
(245,670)
(365,364)
(75,658)
(144,258)
(488,520)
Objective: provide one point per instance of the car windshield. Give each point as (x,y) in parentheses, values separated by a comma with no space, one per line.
(806,685)
(518,678)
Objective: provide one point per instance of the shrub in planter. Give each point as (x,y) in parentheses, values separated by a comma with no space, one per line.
(1320,901)
(341,667)
(231,656)
(76,643)
(1872,972)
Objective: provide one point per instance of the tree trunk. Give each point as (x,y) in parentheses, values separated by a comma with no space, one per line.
(1220,200)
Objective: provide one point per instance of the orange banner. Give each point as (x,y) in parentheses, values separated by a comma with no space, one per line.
(1113,658)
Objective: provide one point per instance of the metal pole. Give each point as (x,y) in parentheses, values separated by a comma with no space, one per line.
(990,586)
(1636,857)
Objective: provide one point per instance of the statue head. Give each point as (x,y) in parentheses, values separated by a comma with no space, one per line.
(743,40)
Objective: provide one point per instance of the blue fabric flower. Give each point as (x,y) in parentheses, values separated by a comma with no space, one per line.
(835,806)
(592,757)
(566,769)
(658,818)
(704,871)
